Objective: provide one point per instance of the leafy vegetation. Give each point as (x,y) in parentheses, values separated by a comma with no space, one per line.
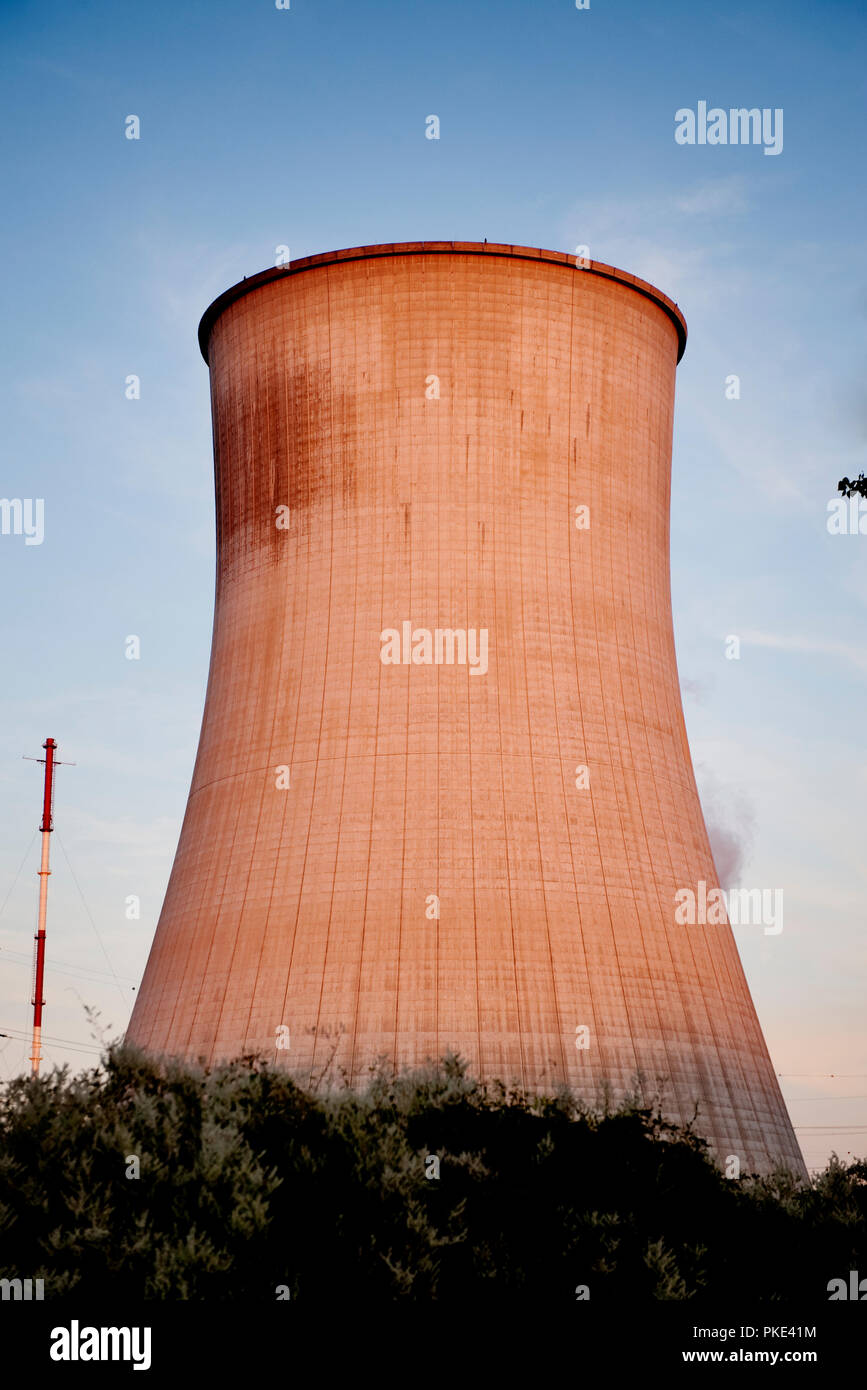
(248,1183)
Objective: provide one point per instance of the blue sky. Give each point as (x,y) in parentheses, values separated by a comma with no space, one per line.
(262,127)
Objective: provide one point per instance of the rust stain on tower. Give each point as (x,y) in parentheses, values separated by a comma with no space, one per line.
(443,798)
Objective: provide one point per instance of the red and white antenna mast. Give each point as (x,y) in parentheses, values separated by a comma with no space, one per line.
(39,958)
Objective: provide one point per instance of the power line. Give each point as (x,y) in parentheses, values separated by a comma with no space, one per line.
(90,918)
(832,1129)
(18,874)
(16,1035)
(62,968)
(811,1098)
(50,1037)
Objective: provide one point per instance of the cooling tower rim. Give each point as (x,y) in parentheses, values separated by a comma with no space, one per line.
(438,248)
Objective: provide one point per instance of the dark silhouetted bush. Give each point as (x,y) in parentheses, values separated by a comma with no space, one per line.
(249,1182)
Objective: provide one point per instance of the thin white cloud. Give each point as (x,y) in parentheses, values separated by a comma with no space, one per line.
(797,642)
(717,196)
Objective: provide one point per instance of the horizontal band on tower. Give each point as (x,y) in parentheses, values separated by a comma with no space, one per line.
(438,248)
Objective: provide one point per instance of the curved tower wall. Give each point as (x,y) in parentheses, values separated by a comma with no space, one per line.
(436,876)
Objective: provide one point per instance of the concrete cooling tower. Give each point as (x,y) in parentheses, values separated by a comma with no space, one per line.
(443,798)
